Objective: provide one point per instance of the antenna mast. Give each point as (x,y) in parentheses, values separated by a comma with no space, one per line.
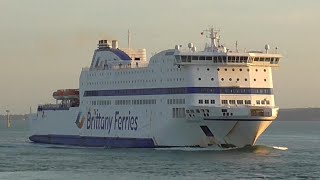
(215,38)
(129,39)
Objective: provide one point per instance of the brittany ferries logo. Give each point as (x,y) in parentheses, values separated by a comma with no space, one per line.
(79,122)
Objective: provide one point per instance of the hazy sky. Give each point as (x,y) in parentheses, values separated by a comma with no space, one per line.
(44,44)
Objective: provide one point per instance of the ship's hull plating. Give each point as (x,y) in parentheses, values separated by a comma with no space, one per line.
(62,127)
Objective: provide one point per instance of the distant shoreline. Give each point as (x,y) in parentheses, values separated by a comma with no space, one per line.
(289,114)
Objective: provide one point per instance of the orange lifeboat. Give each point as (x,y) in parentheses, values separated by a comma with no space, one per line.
(65,94)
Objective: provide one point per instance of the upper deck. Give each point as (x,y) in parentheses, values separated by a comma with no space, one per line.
(235,59)
(220,55)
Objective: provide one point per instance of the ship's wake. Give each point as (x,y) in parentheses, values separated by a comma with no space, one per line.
(259,149)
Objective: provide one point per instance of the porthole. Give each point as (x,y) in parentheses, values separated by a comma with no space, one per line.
(265,70)
(248,70)
(230,79)
(240,69)
(199,79)
(265,80)
(222,79)
(212,79)
(254,79)
(245,79)
(218,69)
(238,79)
(232,69)
(226,69)
(208,69)
(256,70)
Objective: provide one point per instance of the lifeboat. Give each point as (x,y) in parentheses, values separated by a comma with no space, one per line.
(66,94)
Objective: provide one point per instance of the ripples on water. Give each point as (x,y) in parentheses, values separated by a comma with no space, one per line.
(20,159)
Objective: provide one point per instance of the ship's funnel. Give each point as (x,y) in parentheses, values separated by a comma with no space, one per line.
(115,44)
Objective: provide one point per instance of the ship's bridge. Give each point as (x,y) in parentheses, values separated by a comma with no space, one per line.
(218,54)
(237,59)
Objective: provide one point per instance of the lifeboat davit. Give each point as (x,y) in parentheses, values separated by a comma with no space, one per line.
(65,94)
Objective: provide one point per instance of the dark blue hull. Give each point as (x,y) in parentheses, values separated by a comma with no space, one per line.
(89,141)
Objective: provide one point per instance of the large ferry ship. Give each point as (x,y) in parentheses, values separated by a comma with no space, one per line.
(180,97)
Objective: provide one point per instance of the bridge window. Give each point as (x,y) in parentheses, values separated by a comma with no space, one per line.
(212,101)
(247,101)
(224,101)
(188,58)
(202,58)
(183,58)
(258,101)
(224,59)
(239,101)
(206,101)
(232,101)
(200,101)
(195,57)
(208,58)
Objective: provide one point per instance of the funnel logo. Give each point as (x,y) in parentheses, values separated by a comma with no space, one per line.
(79,122)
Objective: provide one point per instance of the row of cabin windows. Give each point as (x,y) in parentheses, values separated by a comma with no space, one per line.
(176,101)
(192,111)
(235,101)
(124,102)
(229,59)
(245,79)
(101,102)
(226,69)
(131,72)
(133,81)
(263,102)
(121,73)
(269,59)
(178,113)
(230,79)
(206,101)
(215,59)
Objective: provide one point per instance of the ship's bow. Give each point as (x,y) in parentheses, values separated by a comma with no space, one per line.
(234,127)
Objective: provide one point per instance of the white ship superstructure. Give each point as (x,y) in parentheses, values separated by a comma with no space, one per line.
(177,98)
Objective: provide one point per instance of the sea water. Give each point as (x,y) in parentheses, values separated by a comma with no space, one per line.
(287,150)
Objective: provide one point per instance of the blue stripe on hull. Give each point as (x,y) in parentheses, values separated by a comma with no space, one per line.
(178,90)
(211,119)
(89,141)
